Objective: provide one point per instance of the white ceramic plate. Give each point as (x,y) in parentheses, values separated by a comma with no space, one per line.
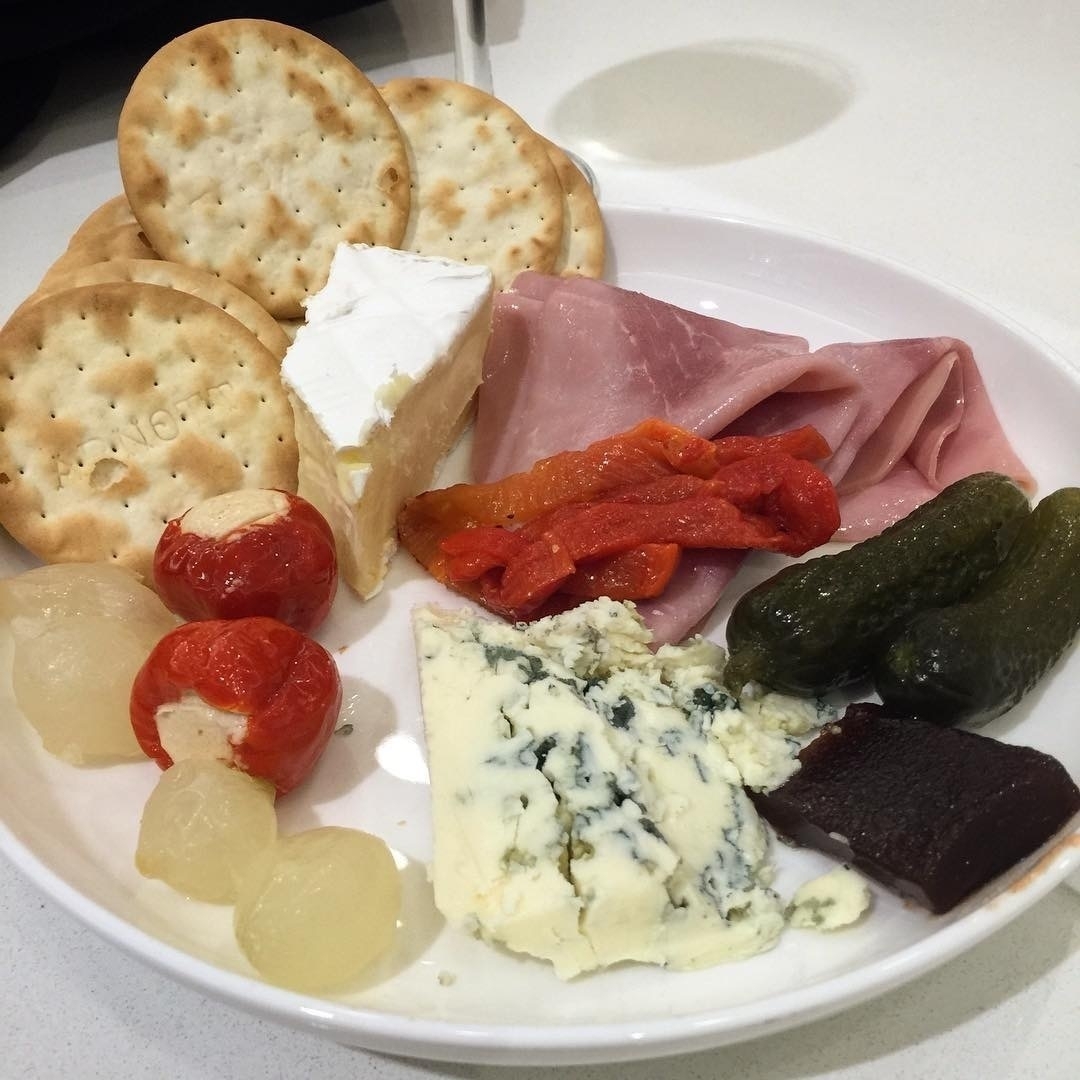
(442,995)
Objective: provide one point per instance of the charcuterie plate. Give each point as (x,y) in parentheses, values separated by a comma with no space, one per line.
(441,994)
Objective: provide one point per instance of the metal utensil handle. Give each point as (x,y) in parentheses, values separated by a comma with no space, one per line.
(472,63)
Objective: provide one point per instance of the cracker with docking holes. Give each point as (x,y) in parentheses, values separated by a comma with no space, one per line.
(185,278)
(582,250)
(289,328)
(123,404)
(484,188)
(117,242)
(251,149)
(112,212)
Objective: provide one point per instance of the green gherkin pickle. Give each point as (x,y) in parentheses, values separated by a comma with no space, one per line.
(819,625)
(974,660)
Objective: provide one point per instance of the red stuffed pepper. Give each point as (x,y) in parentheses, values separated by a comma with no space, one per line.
(253,693)
(250,552)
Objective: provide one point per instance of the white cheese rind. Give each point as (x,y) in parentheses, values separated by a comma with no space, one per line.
(588,799)
(381,378)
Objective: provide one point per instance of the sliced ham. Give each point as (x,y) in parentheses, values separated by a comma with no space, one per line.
(893,498)
(570,361)
(691,594)
(573,360)
(920,405)
(568,365)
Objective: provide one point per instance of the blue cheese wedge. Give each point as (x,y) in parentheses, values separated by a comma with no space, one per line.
(381,377)
(588,793)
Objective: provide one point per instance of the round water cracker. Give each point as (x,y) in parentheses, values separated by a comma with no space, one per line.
(123,404)
(118,242)
(289,328)
(112,212)
(187,279)
(484,188)
(582,250)
(251,149)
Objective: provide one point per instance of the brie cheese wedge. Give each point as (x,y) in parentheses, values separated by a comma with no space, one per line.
(381,378)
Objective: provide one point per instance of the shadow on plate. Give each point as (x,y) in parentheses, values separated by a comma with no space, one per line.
(704,104)
(418,926)
(367,719)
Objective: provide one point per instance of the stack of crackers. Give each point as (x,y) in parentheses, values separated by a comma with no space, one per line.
(141,376)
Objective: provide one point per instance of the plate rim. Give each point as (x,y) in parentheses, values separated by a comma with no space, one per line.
(593,1043)
(888,263)
(505,1044)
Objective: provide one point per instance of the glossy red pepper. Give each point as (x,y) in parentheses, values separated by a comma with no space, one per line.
(639,573)
(652,450)
(253,692)
(767,503)
(249,552)
(611,519)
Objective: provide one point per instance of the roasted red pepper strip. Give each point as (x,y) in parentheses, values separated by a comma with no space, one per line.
(639,573)
(276,692)
(806,443)
(471,553)
(517,543)
(651,450)
(642,453)
(791,509)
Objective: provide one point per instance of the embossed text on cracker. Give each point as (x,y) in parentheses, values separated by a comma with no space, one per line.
(160,426)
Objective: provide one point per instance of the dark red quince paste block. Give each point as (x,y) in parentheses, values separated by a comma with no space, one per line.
(932,813)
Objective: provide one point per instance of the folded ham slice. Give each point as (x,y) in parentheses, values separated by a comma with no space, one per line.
(917,418)
(573,360)
(691,594)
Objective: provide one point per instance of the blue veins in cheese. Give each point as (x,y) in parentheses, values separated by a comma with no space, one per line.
(588,792)
(833,900)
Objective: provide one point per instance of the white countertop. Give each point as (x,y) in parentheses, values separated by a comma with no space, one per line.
(946,136)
